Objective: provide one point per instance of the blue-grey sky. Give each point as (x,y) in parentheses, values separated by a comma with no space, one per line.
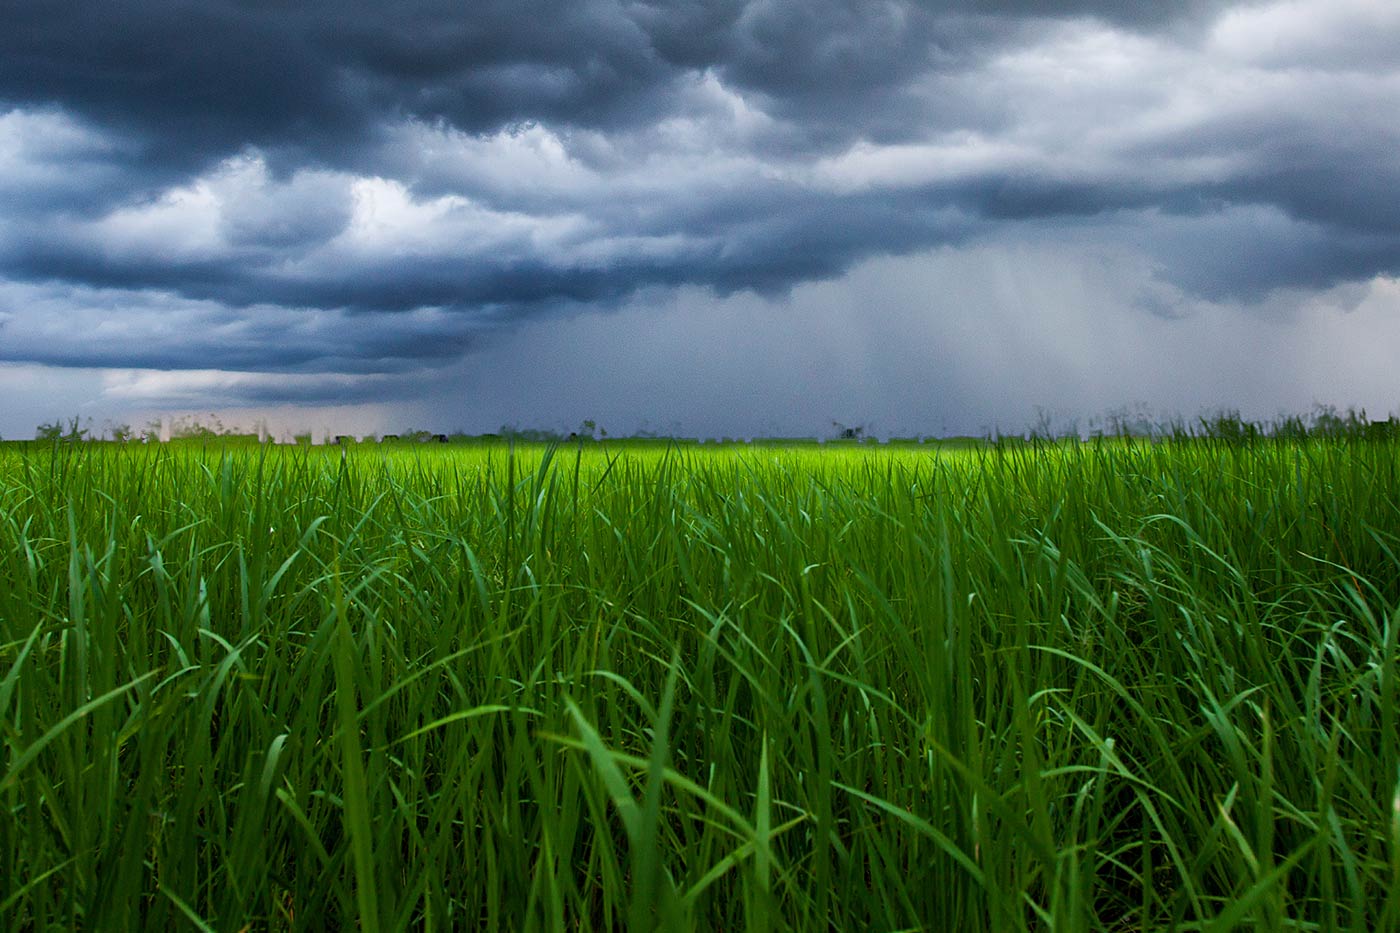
(728,217)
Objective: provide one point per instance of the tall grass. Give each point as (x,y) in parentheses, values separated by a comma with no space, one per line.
(1116,686)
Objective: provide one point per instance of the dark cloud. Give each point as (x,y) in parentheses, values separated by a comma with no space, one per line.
(1136,13)
(288,257)
(191,81)
(82,327)
(205,390)
(314,76)
(355,188)
(314,391)
(963,340)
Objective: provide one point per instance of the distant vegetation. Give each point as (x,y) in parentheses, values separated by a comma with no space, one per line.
(1323,421)
(1122,684)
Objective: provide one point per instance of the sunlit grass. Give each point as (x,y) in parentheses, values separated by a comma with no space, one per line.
(1123,686)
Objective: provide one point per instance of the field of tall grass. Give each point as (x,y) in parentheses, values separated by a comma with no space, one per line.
(1098,686)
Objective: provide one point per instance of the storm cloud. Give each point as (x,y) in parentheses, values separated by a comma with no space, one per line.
(334,197)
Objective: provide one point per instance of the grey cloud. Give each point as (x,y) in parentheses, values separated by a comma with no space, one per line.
(1245,254)
(205,389)
(50,162)
(957,341)
(315,77)
(312,78)
(1144,14)
(806,239)
(310,209)
(81,327)
(348,188)
(217,74)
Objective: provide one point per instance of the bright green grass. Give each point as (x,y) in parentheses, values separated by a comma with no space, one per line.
(1123,687)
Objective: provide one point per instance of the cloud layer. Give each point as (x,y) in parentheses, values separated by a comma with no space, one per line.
(345,196)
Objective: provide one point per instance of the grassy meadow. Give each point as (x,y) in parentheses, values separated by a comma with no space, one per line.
(1098,686)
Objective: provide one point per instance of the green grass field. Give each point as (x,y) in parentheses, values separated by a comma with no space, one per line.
(1115,686)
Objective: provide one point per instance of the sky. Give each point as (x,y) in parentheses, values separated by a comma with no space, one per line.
(717,218)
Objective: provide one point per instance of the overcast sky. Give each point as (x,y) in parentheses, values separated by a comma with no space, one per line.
(731,217)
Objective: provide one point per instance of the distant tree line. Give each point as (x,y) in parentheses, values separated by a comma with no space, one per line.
(1225,425)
